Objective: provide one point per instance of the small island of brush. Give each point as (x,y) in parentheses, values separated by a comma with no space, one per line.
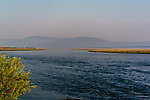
(116,50)
(20,49)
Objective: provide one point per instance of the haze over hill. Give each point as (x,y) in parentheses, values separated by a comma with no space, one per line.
(79,42)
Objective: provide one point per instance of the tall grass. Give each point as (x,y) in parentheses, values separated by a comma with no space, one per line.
(132,51)
(19,49)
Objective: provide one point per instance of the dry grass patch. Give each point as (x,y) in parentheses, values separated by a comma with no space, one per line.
(132,51)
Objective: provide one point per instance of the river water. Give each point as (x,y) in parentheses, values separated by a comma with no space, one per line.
(79,74)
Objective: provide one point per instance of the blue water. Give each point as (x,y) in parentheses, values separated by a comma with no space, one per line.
(92,76)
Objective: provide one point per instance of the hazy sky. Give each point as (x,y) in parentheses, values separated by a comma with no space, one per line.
(114,20)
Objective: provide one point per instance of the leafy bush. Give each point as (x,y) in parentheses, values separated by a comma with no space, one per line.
(13,80)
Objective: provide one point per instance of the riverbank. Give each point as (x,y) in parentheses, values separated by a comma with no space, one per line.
(20,49)
(110,50)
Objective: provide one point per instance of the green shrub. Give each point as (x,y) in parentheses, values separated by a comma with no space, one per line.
(13,80)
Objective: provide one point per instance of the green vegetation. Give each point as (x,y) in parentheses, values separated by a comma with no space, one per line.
(13,80)
(132,51)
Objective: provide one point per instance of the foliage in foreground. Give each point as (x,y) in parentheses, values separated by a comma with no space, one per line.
(13,80)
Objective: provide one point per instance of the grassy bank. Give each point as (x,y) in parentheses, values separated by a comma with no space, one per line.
(112,50)
(19,49)
(132,51)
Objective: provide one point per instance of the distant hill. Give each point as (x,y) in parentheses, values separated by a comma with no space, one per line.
(79,42)
(64,42)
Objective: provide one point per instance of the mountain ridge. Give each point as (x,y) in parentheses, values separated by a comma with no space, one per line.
(77,42)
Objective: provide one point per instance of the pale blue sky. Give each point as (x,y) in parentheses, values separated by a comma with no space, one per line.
(114,20)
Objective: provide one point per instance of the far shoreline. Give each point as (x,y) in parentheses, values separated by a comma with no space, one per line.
(20,49)
(116,50)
